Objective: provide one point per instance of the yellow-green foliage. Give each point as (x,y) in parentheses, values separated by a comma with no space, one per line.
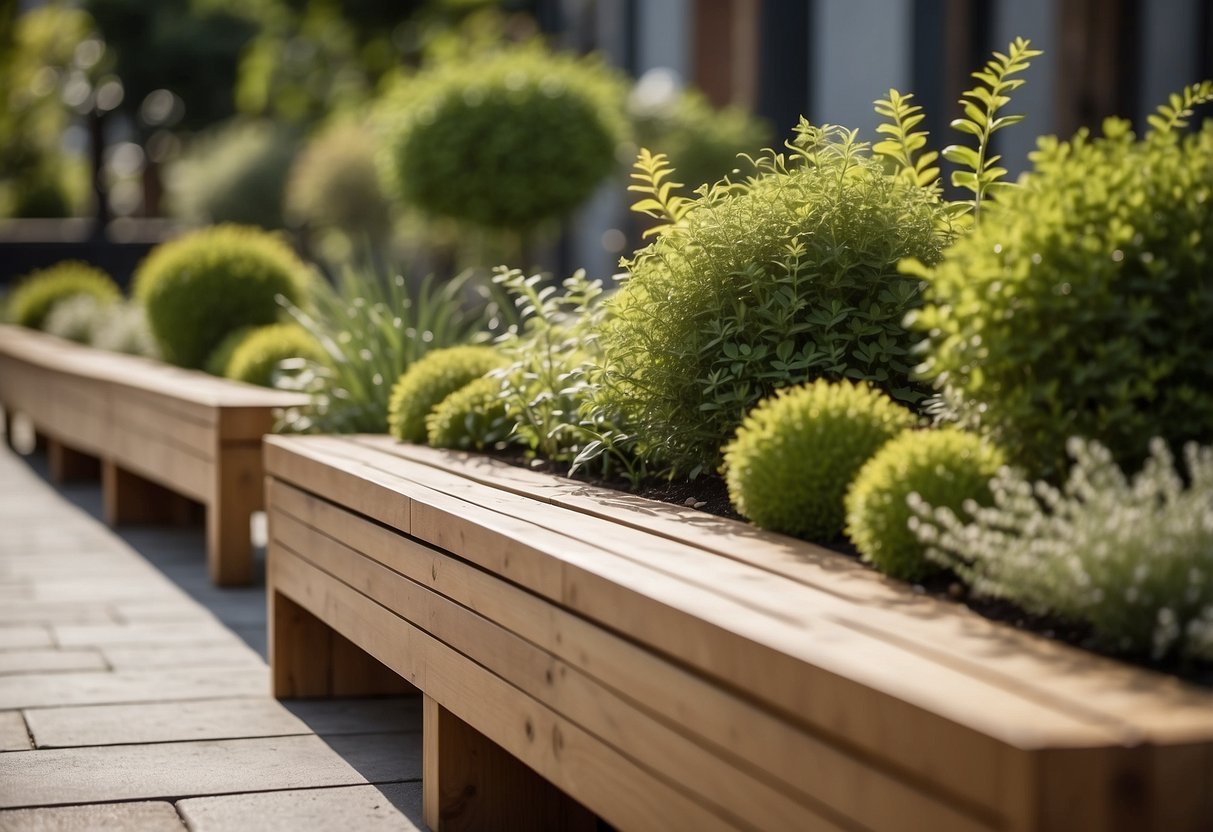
(472,418)
(793,457)
(334,183)
(1082,304)
(945,467)
(430,380)
(200,287)
(255,358)
(507,140)
(37,293)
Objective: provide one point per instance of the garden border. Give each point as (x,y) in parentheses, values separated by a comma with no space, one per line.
(155,433)
(667,668)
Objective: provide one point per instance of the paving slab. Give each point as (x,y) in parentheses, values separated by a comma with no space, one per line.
(191,769)
(215,719)
(206,631)
(112,817)
(170,609)
(25,636)
(394,807)
(50,660)
(13,734)
(103,688)
(163,656)
(54,612)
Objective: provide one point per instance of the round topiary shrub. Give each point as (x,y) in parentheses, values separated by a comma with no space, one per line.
(471,419)
(38,292)
(945,467)
(255,357)
(787,277)
(793,457)
(435,376)
(1082,303)
(200,287)
(334,183)
(505,141)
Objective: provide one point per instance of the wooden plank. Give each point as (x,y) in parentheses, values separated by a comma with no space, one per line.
(1160,707)
(471,783)
(236,491)
(164,463)
(172,770)
(607,782)
(657,700)
(141,414)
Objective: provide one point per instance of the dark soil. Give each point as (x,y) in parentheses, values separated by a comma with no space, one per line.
(709,493)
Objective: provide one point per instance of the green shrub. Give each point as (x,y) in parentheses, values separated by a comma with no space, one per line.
(793,457)
(124,329)
(255,359)
(702,142)
(471,419)
(945,467)
(216,363)
(200,287)
(1133,558)
(504,141)
(334,183)
(785,278)
(1082,303)
(75,318)
(430,380)
(235,173)
(37,293)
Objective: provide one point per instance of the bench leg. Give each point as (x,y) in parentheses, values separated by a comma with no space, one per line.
(129,498)
(470,782)
(69,465)
(237,493)
(310,659)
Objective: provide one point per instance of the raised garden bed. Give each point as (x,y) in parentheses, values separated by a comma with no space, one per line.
(586,652)
(163,438)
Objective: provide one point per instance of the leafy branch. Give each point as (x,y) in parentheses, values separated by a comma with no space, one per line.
(1174,115)
(660,201)
(904,143)
(981,106)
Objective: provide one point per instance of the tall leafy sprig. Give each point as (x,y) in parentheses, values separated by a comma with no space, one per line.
(1175,113)
(905,144)
(372,327)
(651,172)
(982,105)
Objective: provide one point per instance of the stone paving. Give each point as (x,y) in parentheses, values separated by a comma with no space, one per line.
(134,696)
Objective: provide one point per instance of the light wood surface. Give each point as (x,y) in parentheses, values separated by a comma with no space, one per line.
(155,428)
(715,675)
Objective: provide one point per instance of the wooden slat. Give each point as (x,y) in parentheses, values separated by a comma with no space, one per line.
(1160,708)
(640,704)
(609,784)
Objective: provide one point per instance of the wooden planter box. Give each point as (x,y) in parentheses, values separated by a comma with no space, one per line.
(585,652)
(161,436)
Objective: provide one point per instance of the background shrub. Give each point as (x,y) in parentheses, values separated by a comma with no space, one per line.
(701,141)
(945,467)
(38,292)
(334,183)
(1131,557)
(124,328)
(788,277)
(200,287)
(430,380)
(793,457)
(75,318)
(256,357)
(506,140)
(471,419)
(1082,303)
(234,173)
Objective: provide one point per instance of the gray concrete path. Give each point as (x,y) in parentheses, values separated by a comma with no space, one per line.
(135,696)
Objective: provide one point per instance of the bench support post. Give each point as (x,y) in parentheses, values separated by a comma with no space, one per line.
(69,465)
(310,659)
(129,498)
(470,782)
(235,495)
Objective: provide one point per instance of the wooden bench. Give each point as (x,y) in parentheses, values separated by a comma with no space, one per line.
(584,652)
(161,438)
